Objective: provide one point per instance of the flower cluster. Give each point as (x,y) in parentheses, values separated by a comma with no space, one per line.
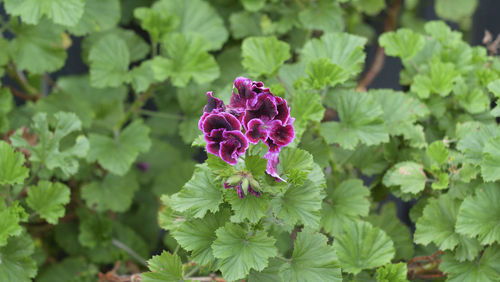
(254,114)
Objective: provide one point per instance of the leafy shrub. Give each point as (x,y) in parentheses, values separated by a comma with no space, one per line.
(299,181)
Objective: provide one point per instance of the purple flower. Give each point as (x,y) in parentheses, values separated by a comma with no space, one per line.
(233,145)
(213,104)
(264,117)
(272,164)
(222,132)
(264,109)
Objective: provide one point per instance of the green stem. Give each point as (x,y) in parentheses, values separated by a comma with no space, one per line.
(287,89)
(129,251)
(160,114)
(20,78)
(135,107)
(193,271)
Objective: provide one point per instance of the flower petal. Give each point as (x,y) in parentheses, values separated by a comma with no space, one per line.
(213,148)
(243,92)
(220,120)
(264,109)
(283,110)
(233,146)
(281,135)
(272,164)
(256,131)
(213,104)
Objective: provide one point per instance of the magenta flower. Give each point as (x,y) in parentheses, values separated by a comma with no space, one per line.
(263,116)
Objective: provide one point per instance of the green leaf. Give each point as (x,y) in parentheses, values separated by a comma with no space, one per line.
(322,73)
(117,155)
(250,208)
(38,48)
(253,5)
(47,151)
(403,43)
(443,181)
(12,169)
(255,164)
(264,55)
(347,203)
(443,33)
(344,50)
(114,193)
(322,15)
(442,231)
(109,59)
(95,230)
(197,235)
(48,199)
(200,194)
(370,7)
(17,264)
(63,12)
(306,107)
(244,24)
(455,10)
(439,80)
(270,274)
(494,87)
(68,269)
(295,160)
(11,216)
(155,22)
(138,48)
(360,121)
(312,260)
(141,77)
(240,250)
(438,152)
(399,233)
(188,61)
(479,214)
(299,204)
(197,18)
(409,175)
(97,16)
(392,272)
(484,269)
(362,246)
(491,158)
(401,111)
(474,139)
(164,267)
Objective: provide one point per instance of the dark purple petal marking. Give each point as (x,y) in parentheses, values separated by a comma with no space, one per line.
(257,130)
(233,146)
(213,104)
(264,109)
(213,148)
(283,110)
(281,135)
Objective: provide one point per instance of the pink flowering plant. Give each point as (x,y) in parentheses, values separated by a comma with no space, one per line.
(254,114)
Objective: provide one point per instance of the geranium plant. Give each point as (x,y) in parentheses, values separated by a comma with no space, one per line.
(227,140)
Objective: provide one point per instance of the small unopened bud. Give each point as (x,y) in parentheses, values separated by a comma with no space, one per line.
(234,179)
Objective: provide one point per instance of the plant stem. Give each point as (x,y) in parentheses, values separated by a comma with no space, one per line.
(160,114)
(193,271)
(129,251)
(287,89)
(135,107)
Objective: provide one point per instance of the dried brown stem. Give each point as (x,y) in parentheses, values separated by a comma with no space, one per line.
(378,61)
(425,267)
